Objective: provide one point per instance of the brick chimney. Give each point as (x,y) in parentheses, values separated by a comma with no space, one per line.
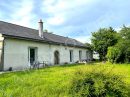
(41,29)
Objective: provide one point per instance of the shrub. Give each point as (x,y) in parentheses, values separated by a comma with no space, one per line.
(113,54)
(97,84)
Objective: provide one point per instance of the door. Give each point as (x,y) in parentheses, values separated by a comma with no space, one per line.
(87,55)
(71,55)
(56,57)
(80,55)
(32,55)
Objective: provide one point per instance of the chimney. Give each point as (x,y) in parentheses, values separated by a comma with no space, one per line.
(41,29)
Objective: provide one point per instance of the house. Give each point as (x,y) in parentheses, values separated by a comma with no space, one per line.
(20,47)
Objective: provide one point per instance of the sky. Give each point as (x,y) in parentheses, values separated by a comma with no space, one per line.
(70,18)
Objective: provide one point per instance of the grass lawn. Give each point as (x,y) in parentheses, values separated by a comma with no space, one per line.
(52,81)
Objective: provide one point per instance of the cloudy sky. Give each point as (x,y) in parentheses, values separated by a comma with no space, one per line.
(71,18)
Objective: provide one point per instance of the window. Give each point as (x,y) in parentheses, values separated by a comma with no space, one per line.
(80,55)
(71,55)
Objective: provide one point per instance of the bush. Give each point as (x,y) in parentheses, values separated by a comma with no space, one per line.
(97,84)
(113,54)
(119,53)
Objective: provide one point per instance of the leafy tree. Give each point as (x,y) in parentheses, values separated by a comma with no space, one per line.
(125,33)
(113,54)
(123,47)
(88,46)
(102,39)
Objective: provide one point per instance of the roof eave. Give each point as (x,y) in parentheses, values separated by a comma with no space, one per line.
(43,41)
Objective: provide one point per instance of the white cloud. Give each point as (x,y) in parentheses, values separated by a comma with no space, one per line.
(58,6)
(60,9)
(118,29)
(56,20)
(22,13)
(83,39)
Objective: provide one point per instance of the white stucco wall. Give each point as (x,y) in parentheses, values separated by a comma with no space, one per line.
(1,50)
(1,44)
(16,53)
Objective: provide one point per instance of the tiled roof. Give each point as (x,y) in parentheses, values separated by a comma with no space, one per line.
(13,30)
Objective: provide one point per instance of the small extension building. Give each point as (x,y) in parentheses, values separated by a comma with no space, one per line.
(21,46)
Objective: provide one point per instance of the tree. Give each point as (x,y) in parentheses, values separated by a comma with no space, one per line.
(102,39)
(88,46)
(113,54)
(125,33)
(120,53)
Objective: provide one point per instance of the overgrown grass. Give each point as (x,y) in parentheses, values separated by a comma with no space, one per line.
(52,81)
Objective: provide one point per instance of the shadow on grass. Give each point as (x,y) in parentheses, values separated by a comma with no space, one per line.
(31,71)
(70,65)
(76,64)
(17,73)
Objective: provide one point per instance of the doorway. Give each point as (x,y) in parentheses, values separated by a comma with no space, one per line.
(56,57)
(80,55)
(71,55)
(32,55)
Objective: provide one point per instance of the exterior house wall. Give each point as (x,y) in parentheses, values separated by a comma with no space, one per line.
(16,53)
(1,52)
(1,47)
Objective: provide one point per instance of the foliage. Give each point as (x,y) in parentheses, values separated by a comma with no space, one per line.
(97,84)
(102,39)
(125,33)
(88,45)
(120,53)
(51,81)
(113,54)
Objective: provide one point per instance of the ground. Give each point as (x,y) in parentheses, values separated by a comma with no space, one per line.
(51,81)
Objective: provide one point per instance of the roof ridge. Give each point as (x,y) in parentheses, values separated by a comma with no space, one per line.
(36,29)
(69,38)
(19,25)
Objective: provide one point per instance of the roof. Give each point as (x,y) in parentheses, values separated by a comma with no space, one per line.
(20,32)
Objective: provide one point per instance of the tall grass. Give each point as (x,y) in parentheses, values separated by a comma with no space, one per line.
(51,81)
(98,84)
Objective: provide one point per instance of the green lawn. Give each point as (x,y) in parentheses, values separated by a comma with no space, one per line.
(52,81)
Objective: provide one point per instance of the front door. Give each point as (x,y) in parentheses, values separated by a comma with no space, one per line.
(56,57)
(80,55)
(32,57)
